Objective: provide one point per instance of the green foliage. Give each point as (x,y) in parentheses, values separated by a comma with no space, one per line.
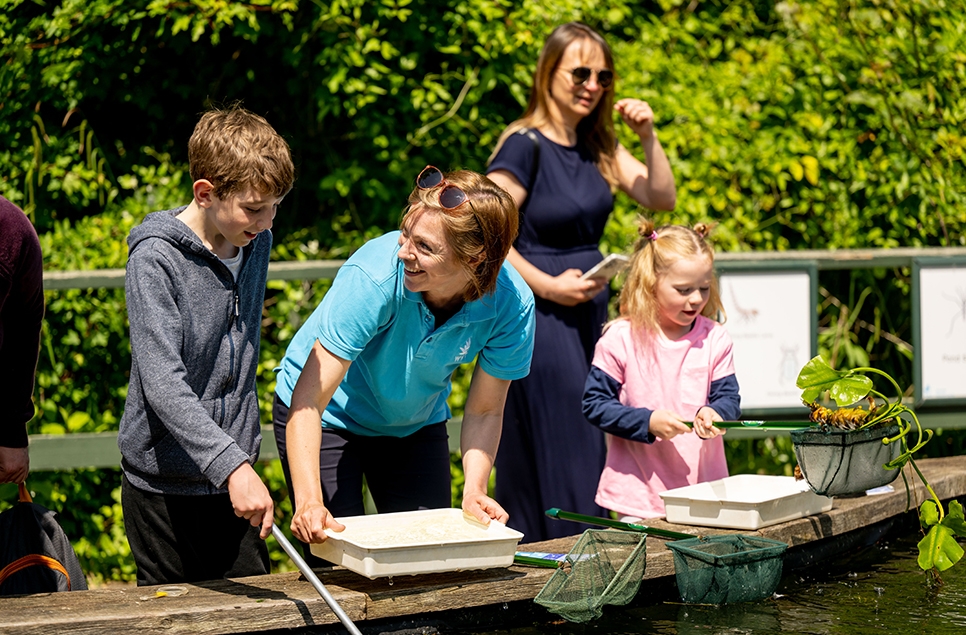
(939,548)
(808,124)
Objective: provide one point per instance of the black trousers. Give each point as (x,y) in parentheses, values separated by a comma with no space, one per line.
(189,538)
(402,473)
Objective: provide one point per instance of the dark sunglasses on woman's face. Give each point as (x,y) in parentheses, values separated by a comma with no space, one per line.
(450,197)
(605,77)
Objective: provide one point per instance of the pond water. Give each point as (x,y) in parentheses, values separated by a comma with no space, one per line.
(877,589)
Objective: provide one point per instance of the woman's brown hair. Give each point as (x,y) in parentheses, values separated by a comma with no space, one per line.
(480,231)
(595,132)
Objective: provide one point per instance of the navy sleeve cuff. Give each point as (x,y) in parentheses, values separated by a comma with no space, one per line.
(724,398)
(602,407)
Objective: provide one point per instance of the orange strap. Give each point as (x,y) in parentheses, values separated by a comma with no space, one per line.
(24,494)
(32,560)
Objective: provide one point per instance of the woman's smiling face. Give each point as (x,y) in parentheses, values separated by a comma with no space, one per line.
(431,265)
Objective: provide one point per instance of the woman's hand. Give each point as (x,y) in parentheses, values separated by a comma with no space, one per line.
(704,423)
(638,115)
(310,522)
(569,289)
(484,508)
(666,425)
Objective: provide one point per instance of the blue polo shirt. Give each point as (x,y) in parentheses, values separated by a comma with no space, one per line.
(402,366)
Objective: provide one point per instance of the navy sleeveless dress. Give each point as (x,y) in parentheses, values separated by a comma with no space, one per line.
(550,456)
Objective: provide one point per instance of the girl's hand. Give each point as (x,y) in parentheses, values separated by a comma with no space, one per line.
(569,290)
(703,423)
(666,425)
(311,521)
(638,115)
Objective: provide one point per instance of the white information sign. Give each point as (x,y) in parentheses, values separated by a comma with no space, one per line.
(770,323)
(942,337)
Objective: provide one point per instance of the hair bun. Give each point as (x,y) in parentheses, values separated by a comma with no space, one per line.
(703,229)
(645,228)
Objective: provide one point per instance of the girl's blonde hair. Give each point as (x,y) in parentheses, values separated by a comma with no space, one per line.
(656,251)
(480,231)
(595,132)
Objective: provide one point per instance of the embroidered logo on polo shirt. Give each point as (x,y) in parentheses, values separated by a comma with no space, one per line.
(464,349)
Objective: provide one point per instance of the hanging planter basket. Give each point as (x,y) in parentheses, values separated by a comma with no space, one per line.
(846,462)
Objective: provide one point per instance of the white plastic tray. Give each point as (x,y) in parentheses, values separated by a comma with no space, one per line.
(425,541)
(745,501)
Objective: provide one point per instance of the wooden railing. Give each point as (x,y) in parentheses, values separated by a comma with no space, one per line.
(99,450)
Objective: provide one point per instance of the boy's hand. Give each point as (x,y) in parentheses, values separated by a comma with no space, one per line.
(251,499)
(310,522)
(666,425)
(704,423)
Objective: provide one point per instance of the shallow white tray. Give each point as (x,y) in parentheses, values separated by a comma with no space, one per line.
(745,501)
(425,541)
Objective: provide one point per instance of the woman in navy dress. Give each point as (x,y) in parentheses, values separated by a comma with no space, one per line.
(549,455)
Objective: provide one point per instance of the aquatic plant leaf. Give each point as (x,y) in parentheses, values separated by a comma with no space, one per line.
(816,377)
(849,390)
(928,514)
(955,519)
(939,549)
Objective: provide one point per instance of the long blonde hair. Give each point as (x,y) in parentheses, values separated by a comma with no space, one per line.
(656,250)
(595,132)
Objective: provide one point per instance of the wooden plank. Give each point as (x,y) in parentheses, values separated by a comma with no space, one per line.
(281,601)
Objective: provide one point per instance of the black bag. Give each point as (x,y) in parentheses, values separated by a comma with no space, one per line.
(35,554)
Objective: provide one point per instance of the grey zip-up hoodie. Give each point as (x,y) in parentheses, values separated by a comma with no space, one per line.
(191,416)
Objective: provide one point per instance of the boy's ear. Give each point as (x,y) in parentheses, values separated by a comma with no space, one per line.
(204,192)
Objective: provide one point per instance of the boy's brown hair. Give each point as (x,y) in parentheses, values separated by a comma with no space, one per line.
(235,149)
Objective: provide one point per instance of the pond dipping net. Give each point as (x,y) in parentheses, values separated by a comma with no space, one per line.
(727,568)
(845,462)
(606,566)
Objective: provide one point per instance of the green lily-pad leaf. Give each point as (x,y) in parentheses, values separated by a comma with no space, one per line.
(928,514)
(816,377)
(939,549)
(955,520)
(849,390)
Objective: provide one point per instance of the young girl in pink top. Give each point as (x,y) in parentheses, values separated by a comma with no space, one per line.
(663,362)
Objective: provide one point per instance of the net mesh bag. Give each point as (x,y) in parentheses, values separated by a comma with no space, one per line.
(606,566)
(845,462)
(728,568)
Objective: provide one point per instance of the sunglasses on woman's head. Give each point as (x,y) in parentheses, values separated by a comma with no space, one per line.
(450,197)
(605,77)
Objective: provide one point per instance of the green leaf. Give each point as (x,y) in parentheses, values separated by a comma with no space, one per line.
(939,549)
(928,514)
(816,377)
(849,390)
(955,520)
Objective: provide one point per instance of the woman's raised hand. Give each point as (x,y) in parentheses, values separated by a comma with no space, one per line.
(310,522)
(638,115)
(569,289)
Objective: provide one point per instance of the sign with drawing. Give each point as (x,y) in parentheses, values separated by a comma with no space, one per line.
(772,322)
(939,330)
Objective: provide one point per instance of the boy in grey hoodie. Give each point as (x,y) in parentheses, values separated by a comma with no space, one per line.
(194,508)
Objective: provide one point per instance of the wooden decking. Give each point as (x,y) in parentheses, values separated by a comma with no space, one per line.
(285,601)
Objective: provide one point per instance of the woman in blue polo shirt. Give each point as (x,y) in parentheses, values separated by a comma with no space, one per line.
(374,361)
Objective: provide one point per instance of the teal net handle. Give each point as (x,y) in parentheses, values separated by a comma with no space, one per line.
(760,425)
(616,524)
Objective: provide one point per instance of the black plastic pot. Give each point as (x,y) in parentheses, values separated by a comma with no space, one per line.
(845,462)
